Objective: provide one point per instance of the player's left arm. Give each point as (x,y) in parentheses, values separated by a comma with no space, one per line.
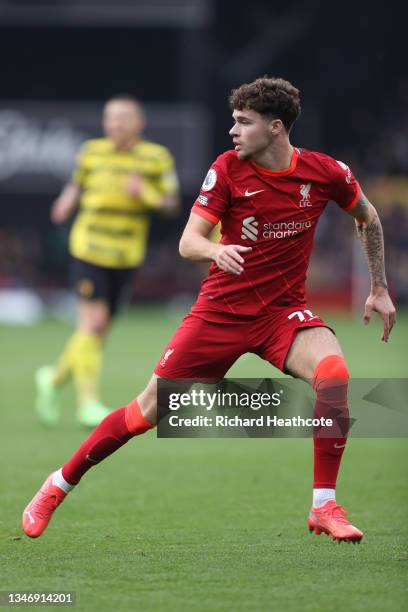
(369,231)
(152,196)
(161,195)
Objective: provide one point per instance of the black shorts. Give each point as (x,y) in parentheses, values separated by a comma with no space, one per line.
(93,282)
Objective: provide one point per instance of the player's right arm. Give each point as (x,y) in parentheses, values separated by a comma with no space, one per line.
(208,209)
(66,203)
(68,200)
(196,246)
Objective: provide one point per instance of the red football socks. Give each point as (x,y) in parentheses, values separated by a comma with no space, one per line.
(330,382)
(112,433)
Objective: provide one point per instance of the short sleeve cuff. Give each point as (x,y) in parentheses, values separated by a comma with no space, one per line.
(205,214)
(354,200)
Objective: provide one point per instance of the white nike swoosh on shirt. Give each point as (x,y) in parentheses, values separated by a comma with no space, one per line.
(338,445)
(250,193)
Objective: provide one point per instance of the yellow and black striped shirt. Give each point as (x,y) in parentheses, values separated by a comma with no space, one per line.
(112,227)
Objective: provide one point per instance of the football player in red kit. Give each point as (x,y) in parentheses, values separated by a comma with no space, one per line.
(268,196)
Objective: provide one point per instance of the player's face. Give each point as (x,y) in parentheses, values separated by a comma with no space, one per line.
(122,122)
(251,133)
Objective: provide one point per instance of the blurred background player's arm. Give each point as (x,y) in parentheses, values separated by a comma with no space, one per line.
(161,195)
(370,233)
(69,199)
(66,204)
(152,197)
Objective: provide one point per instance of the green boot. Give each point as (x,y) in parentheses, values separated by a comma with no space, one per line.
(47,401)
(92,413)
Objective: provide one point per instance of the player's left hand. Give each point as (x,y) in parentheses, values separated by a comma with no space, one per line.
(380,301)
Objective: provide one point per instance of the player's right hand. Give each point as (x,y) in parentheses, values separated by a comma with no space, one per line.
(228,257)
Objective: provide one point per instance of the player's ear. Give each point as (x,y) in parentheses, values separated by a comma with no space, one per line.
(142,124)
(275,126)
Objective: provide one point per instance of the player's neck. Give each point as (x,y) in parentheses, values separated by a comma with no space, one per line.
(125,145)
(276,157)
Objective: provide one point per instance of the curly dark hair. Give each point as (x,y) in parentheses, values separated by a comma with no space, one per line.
(269,96)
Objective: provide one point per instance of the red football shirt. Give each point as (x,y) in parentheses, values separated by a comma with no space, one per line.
(275,213)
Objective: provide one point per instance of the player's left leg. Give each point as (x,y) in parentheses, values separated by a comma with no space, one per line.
(316,357)
(199,349)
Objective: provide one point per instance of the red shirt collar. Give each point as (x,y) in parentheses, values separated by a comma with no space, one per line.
(292,167)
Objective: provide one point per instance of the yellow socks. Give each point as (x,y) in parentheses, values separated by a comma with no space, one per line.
(81,359)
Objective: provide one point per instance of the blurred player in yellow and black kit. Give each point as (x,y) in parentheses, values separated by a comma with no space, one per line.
(118,182)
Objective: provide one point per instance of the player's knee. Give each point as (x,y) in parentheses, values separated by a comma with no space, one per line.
(138,417)
(147,401)
(94,319)
(149,410)
(332,370)
(330,382)
(98,325)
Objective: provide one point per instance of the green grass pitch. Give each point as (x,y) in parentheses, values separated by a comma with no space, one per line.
(197,524)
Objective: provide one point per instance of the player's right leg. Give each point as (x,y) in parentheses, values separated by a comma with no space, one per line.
(114,431)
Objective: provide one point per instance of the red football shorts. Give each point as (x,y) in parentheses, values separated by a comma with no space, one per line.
(202,349)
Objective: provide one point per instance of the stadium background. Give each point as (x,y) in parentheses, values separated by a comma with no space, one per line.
(62,59)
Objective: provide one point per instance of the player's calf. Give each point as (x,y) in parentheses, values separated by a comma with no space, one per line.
(330,382)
